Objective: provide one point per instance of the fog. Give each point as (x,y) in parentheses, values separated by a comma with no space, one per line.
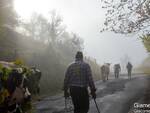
(86,19)
(39,40)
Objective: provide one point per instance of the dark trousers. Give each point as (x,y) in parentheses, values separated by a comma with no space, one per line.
(80,99)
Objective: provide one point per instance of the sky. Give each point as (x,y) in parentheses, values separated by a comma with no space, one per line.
(86,17)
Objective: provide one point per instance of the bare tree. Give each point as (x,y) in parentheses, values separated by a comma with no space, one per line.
(146,41)
(36,27)
(124,60)
(55,27)
(126,16)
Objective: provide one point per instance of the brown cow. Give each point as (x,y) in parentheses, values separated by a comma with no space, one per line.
(105,70)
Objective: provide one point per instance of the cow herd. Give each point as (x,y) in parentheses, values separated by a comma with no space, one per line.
(17,83)
(105,70)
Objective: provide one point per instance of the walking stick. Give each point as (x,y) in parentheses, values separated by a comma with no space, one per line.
(96,106)
(66,105)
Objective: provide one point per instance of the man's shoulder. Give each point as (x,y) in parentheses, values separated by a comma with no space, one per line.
(85,63)
(71,64)
(80,63)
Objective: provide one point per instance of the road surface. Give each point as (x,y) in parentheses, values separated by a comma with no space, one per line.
(113,96)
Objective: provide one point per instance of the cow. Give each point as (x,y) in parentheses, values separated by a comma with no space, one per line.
(14,83)
(14,92)
(34,81)
(105,70)
(117,70)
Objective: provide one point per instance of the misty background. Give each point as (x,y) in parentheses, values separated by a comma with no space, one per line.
(86,19)
(48,33)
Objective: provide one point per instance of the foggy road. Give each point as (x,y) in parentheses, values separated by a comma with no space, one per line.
(116,95)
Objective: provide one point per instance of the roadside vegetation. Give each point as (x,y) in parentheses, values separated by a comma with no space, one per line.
(43,42)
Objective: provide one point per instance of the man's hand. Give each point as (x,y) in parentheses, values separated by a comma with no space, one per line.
(66,94)
(93,93)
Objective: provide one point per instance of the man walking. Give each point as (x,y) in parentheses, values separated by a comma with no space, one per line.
(129,69)
(77,79)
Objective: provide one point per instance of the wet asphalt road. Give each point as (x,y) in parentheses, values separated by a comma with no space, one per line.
(113,96)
